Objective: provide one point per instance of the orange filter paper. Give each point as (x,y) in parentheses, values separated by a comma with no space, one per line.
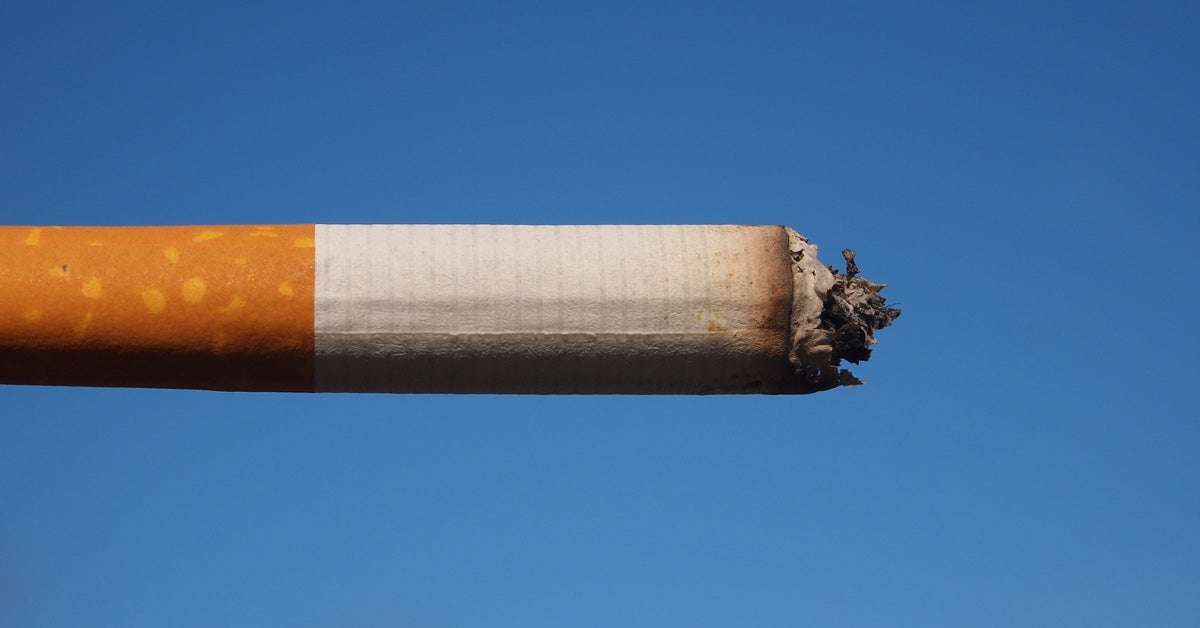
(222,308)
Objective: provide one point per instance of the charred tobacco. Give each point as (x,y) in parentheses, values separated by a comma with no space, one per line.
(854,310)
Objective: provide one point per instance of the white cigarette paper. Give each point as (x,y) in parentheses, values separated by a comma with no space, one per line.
(578,309)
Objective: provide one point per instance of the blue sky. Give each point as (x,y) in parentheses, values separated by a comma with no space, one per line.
(1024,177)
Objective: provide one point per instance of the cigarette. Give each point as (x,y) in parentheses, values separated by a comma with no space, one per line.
(612,309)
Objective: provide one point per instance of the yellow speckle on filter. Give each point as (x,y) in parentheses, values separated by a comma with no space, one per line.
(304,243)
(154,300)
(172,254)
(219,341)
(240,261)
(61,272)
(236,303)
(91,288)
(193,290)
(263,233)
(95,243)
(33,315)
(35,235)
(286,289)
(82,328)
(205,236)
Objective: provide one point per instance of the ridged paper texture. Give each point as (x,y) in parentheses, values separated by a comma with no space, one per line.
(596,303)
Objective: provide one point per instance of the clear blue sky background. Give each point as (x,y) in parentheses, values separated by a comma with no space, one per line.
(1026,179)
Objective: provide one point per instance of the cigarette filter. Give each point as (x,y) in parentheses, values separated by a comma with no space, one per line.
(646,309)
